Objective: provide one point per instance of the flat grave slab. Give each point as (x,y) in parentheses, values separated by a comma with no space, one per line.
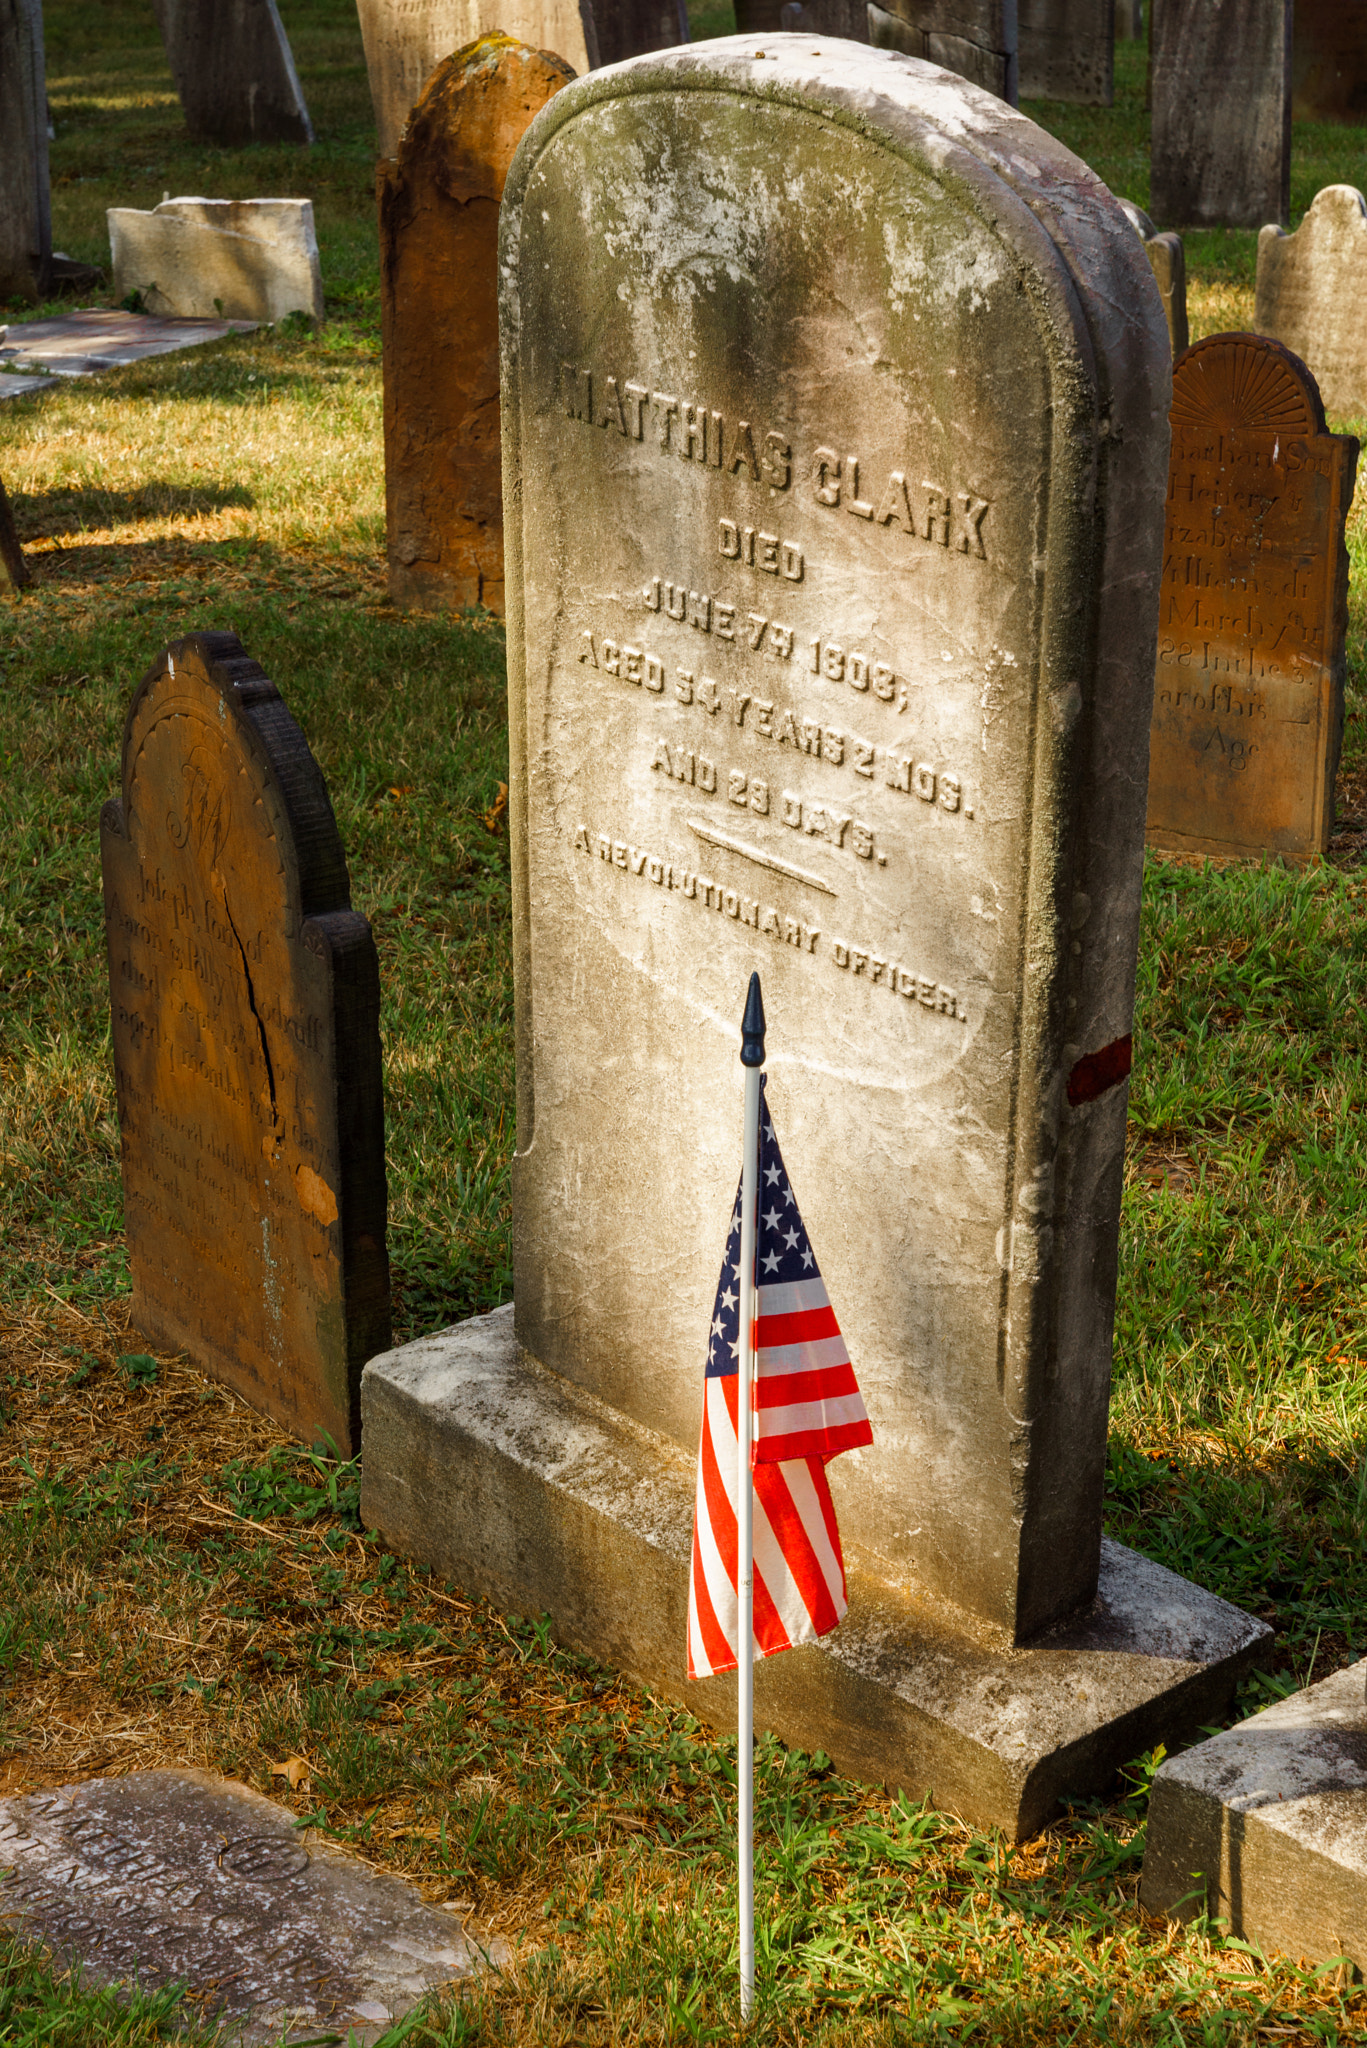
(1265,1826)
(180,1876)
(84,343)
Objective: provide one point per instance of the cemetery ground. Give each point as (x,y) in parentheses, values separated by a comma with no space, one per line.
(180,1585)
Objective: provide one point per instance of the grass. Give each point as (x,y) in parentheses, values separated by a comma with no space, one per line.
(180,1585)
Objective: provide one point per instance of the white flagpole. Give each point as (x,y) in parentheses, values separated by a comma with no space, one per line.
(752,1054)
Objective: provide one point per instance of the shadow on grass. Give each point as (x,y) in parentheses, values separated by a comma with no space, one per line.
(43,515)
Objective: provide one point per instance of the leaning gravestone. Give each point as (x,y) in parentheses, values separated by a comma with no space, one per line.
(977,39)
(181,1877)
(1220,86)
(1329,65)
(1248,699)
(244,996)
(1067,50)
(1312,287)
(830,654)
(438,204)
(234,71)
(25,207)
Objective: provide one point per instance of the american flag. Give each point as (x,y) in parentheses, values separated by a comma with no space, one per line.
(808,1408)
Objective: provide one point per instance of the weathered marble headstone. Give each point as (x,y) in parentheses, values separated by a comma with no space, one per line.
(406,39)
(1265,1826)
(1220,83)
(1329,64)
(438,204)
(234,71)
(1248,699)
(977,39)
(15,573)
(833,495)
(1311,291)
(1067,50)
(244,997)
(25,206)
(183,1877)
(242,259)
(1168,262)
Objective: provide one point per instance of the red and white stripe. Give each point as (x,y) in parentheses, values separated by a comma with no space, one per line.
(807,1400)
(799,1570)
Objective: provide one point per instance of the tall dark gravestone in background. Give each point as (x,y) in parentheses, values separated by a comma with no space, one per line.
(1067,50)
(438,202)
(244,999)
(1329,64)
(833,500)
(234,71)
(1248,700)
(1220,87)
(25,203)
(976,39)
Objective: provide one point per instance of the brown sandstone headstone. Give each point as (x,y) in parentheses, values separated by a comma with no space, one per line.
(1312,291)
(978,39)
(1067,50)
(14,570)
(25,207)
(244,997)
(1248,699)
(1220,83)
(1329,65)
(439,309)
(234,71)
(406,39)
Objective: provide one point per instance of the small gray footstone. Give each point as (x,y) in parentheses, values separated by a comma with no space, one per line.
(184,1877)
(532,1492)
(1265,1826)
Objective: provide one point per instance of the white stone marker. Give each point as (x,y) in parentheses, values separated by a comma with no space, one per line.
(242,259)
(1312,287)
(835,443)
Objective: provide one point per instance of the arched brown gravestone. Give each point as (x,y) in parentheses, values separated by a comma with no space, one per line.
(438,201)
(244,998)
(1248,693)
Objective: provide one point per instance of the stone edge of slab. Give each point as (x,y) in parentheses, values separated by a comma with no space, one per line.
(530,1491)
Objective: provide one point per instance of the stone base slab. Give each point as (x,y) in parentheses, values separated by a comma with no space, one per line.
(520,1486)
(1265,1826)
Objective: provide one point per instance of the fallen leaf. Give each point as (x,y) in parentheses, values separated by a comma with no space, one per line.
(295,1768)
(493,817)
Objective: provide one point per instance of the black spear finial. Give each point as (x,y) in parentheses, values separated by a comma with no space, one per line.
(752,1027)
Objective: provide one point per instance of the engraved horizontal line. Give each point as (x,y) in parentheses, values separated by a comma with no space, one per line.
(764,860)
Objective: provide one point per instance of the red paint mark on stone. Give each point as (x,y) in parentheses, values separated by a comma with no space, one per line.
(1099,1071)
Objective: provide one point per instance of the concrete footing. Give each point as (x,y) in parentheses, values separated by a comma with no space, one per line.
(1265,1826)
(522,1487)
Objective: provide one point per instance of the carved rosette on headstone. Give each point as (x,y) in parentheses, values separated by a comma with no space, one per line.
(1220,87)
(244,997)
(438,206)
(1248,698)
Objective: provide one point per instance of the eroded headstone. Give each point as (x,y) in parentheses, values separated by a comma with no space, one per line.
(1329,65)
(977,39)
(830,648)
(25,203)
(234,71)
(1220,84)
(1067,50)
(1248,696)
(1312,287)
(438,205)
(181,1877)
(15,573)
(239,259)
(1265,1826)
(405,40)
(244,999)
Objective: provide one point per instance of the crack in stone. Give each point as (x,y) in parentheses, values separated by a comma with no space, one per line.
(260,1027)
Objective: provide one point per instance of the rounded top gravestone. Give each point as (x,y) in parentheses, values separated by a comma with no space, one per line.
(835,444)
